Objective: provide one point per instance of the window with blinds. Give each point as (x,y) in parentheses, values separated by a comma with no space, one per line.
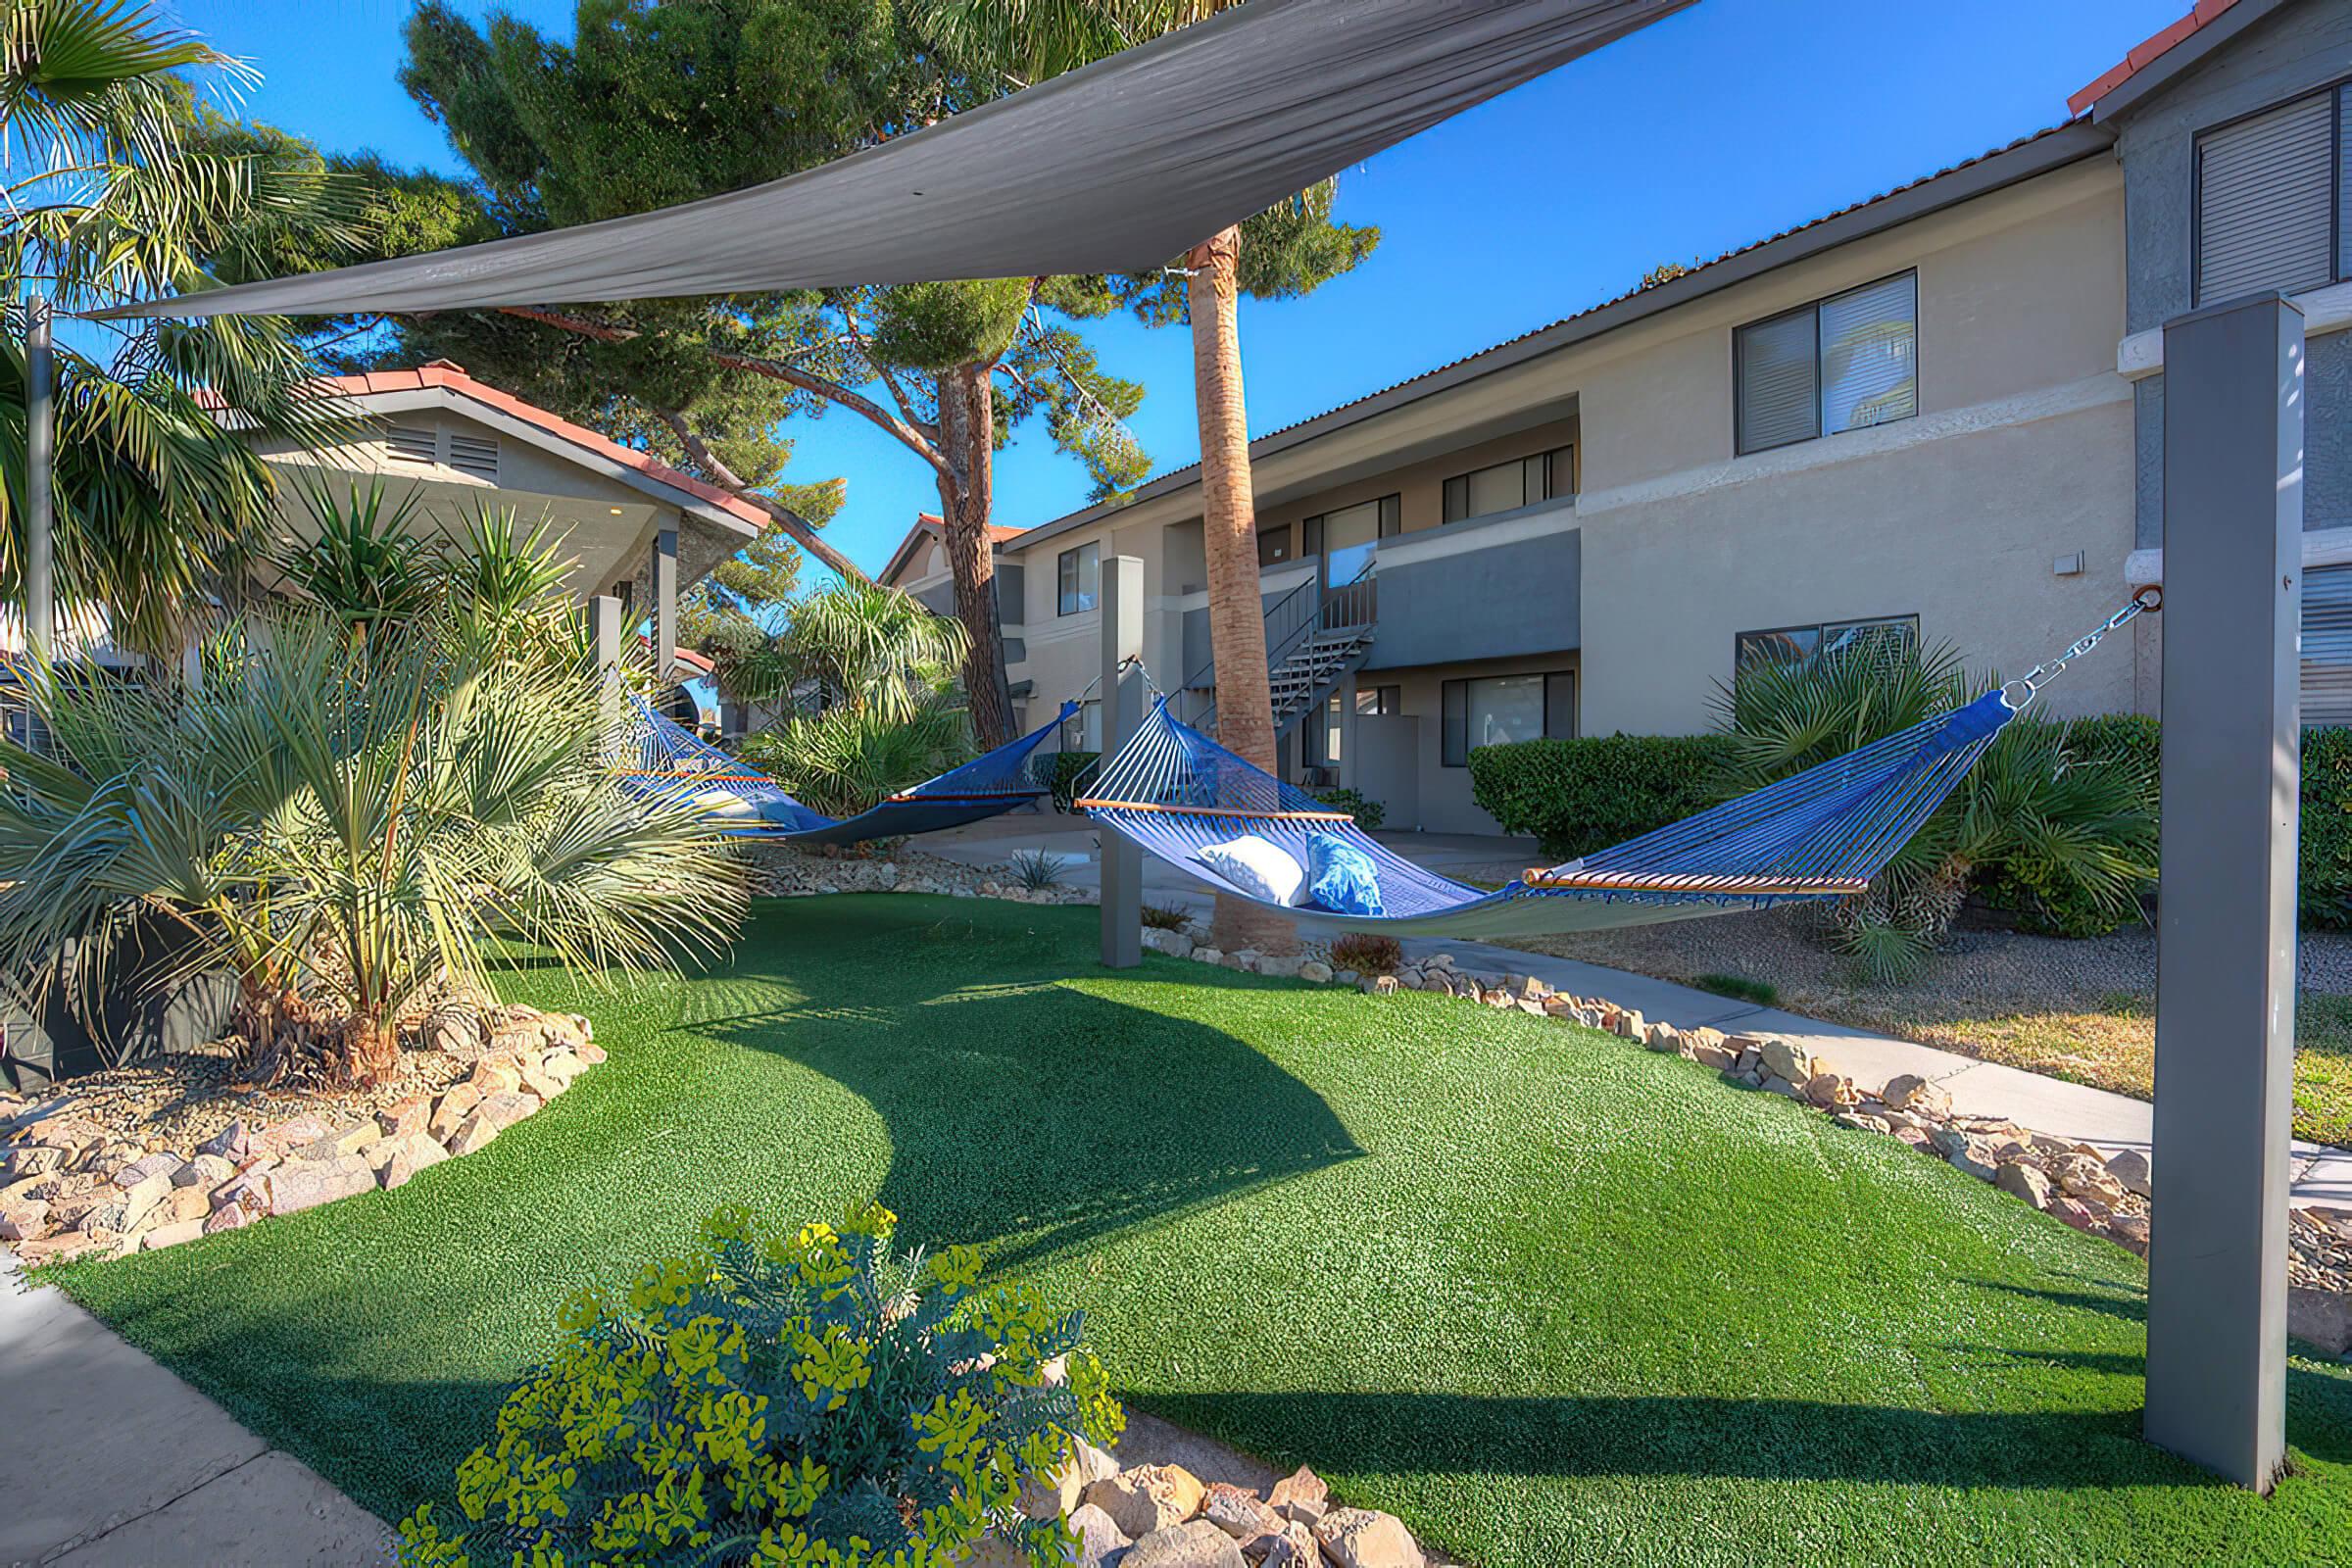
(1845,362)
(2270,200)
(2327,645)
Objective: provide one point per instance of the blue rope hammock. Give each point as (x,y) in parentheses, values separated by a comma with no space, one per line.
(662,759)
(1815,835)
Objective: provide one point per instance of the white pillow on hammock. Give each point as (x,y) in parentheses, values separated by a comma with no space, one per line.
(1259,867)
(719,803)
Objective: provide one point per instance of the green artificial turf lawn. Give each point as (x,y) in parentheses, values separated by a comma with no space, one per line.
(1550,1298)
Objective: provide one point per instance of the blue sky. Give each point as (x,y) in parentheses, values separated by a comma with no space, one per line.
(1721,126)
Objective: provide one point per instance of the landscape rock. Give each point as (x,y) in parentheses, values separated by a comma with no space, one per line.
(171,1235)
(1099,1541)
(160,1163)
(207,1171)
(229,1217)
(451,1111)
(31,1159)
(25,1221)
(1966,1152)
(1715,1056)
(231,1143)
(2134,1169)
(497,1074)
(306,1184)
(1362,1537)
(2320,1317)
(494,1115)
(1295,1548)
(1061,1490)
(1300,1495)
(141,1197)
(2086,1177)
(1149,1498)
(1239,1512)
(284,1137)
(1784,1060)
(397,1160)
(403,1117)
(1315,972)
(1197,1543)
(2021,1180)
(1910,1092)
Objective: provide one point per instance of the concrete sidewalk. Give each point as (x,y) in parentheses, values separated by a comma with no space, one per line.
(2043,1104)
(114,1462)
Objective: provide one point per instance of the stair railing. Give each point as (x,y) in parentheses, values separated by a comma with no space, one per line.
(1292,620)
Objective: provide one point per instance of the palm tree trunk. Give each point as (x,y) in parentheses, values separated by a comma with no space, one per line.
(967,434)
(1237,618)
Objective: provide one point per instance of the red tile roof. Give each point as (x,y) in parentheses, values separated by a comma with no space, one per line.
(687,656)
(453,376)
(929,522)
(2147,52)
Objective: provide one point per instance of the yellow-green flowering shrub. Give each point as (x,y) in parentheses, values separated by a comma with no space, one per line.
(803,1401)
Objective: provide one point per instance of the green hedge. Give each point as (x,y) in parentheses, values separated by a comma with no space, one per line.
(1584,795)
(1578,796)
(2327,868)
(1064,772)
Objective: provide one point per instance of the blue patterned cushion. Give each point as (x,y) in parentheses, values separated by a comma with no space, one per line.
(1340,877)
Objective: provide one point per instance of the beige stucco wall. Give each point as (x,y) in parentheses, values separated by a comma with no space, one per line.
(2021,454)
(1443,793)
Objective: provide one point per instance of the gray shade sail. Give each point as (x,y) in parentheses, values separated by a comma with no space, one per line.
(1121,166)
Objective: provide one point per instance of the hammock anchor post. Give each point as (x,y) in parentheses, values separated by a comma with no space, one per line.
(2226,931)
(1120,595)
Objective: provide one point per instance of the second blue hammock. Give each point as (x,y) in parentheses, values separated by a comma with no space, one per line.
(1818,835)
(661,759)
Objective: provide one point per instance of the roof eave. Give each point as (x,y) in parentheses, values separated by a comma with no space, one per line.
(2191,52)
(2067,144)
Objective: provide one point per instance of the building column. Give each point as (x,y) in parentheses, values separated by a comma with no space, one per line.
(1121,598)
(1348,773)
(2225,954)
(664,586)
(603,635)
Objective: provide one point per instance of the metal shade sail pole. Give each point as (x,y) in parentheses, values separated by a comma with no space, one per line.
(40,481)
(2226,949)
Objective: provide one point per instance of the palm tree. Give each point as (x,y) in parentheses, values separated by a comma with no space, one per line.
(871,674)
(343,824)
(1029,40)
(120,182)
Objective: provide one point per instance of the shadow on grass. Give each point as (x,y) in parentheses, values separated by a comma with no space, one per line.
(1025,1114)
(1762,1439)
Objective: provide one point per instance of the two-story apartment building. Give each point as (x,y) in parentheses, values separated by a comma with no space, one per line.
(1903,420)
(1936,415)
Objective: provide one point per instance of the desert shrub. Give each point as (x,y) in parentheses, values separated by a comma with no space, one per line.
(1166,917)
(810,1398)
(1368,815)
(1578,796)
(1036,869)
(1067,774)
(1763,993)
(2069,831)
(1367,952)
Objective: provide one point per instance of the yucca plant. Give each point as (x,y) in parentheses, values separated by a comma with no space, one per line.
(2083,827)
(370,562)
(344,826)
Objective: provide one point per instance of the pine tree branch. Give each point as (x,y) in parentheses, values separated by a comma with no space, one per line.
(908,435)
(803,532)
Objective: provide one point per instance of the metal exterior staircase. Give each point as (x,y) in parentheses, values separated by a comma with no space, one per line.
(1315,639)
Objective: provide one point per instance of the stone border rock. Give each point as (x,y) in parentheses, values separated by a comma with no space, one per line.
(1163,1516)
(68,1188)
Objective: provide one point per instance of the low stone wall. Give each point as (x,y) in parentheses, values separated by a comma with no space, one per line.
(2101,1194)
(74,1181)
